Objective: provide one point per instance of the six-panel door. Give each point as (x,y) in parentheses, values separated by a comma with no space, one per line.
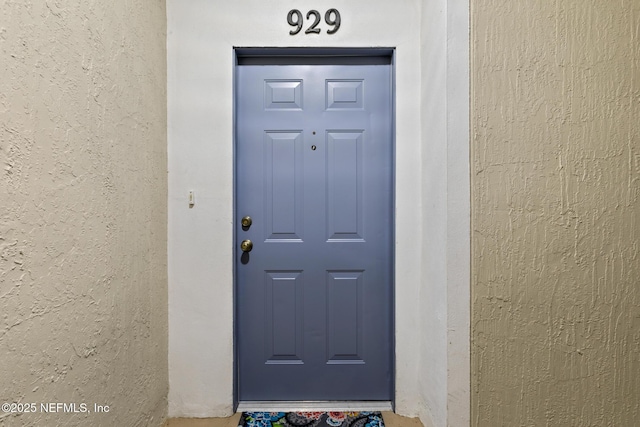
(314,172)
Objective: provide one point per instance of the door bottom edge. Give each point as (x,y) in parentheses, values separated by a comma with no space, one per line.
(311,406)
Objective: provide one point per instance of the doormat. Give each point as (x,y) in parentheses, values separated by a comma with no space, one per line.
(311,419)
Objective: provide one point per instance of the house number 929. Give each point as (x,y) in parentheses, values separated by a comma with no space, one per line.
(331,17)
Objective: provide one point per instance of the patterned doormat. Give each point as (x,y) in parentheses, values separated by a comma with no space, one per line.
(311,419)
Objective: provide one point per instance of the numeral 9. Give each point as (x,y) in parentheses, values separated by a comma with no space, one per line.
(335,21)
(295,23)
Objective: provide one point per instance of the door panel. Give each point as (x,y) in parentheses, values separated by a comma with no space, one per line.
(314,171)
(284,185)
(344,316)
(344,185)
(284,317)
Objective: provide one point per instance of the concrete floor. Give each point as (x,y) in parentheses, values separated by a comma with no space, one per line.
(390,420)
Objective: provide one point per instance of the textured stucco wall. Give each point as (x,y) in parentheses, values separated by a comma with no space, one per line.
(555,213)
(83,190)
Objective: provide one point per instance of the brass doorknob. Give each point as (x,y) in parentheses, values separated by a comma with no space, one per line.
(246,221)
(246,245)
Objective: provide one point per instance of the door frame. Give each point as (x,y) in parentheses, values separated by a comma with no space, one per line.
(312,56)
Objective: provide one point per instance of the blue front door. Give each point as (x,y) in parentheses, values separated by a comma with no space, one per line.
(314,263)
